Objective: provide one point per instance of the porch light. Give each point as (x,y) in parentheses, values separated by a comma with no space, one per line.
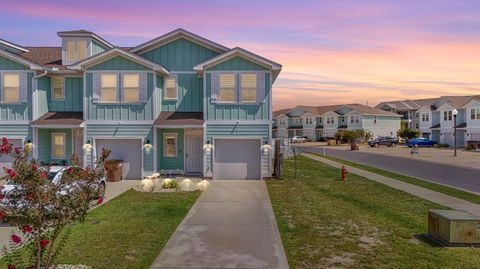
(87,146)
(29,145)
(147,146)
(266,147)
(207,147)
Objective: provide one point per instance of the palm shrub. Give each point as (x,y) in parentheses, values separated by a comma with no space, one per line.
(41,209)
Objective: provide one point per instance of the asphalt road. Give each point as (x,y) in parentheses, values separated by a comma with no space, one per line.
(463,178)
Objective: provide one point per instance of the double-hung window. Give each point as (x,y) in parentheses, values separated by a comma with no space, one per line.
(170,145)
(330,120)
(58,145)
(131,88)
(355,119)
(248,91)
(171,91)
(11,88)
(58,89)
(108,88)
(447,115)
(76,50)
(227,92)
(475,113)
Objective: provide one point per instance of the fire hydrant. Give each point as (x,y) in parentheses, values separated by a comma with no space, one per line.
(344,173)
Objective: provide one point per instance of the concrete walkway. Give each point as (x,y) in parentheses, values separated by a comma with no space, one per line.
(433,196)
(231,225)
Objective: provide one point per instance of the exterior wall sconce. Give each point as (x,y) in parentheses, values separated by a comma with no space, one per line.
(208,146)
(29,145)
(147,146)
(87,146)
(266,147)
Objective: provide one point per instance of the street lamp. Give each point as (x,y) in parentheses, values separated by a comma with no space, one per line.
(455,113)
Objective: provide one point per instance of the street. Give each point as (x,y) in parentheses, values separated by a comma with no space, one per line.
(459,177)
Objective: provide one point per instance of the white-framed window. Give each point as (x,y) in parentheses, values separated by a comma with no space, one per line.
(425,117)
(227,93)
(58,88)
(308,121)
(475,113)
(355,119)
(11,88)
(59,145)
(330,120)
(131,88)
(108,88)
(249,88)
(319,120)
(170,144)
(447,115)
(171,89)
(76,50)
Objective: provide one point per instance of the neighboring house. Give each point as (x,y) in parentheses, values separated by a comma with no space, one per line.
(320,122)
(436,121)
(177,103)
(408,109)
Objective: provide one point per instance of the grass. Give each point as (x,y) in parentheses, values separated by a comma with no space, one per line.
(471,197)
(327,223)
(128,231)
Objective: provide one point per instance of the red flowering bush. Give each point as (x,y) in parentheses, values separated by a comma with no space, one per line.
(41,209)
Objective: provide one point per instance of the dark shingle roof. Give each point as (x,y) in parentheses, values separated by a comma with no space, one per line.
(45,56)
(60,118)
(179,118)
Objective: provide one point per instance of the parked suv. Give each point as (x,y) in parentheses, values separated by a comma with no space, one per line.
(383,141)
(298,139)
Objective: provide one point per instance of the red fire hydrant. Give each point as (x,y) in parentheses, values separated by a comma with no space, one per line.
(344,173)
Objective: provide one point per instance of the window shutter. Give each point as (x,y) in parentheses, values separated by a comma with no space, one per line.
(96,87)
(119,87)
(143,87)
(23,87)
(215,87)
(1,88)
(261,88)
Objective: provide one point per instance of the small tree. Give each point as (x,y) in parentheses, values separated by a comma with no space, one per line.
(408,133)
(41,209)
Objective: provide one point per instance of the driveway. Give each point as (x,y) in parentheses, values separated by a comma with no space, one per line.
(113,190)
(231,225)
(467,179)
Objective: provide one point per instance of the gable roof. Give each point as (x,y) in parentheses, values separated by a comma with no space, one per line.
(275,67)
(20,59)
(85,33)
(367,110)
(108,54)
(174,35)
(458,101)
(281,112)
(321,110)
(45,56)
(12,46)
(408,104)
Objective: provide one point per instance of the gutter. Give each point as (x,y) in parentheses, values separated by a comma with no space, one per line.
(35,92)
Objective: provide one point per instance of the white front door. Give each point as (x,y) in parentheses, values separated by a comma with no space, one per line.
(193,154)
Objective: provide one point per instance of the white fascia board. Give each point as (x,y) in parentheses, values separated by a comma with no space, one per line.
(115,52)
(20,60)
(174,35)
(91,35)
(237,52)
(13,46)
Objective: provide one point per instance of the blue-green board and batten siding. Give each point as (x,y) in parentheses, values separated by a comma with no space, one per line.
(73,101)
(18,111)
(44,146)
(170,163)
(7,64)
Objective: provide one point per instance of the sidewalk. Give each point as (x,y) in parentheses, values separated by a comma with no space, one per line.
(433,196)
(231,225)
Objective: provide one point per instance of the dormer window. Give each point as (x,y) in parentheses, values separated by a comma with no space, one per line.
(76,50)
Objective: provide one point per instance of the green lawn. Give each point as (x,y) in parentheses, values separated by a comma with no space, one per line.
(327,223)
(128,231)
(415,181)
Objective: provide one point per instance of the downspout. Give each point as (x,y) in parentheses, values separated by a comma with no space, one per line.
(34,110)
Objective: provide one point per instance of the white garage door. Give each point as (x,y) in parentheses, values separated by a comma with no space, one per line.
(6,160)
(128,150)
(448,139)
(237,159)
(475,136)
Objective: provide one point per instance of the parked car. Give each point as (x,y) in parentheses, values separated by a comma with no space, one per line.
(54,176)
(421,142)
(383,141)
(298,139)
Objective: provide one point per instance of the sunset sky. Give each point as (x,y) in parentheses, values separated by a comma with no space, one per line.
(332,51)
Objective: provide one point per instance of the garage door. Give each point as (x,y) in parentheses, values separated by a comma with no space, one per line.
(128,150)
(237,159)
(6,160)
(448,139)
(475,136)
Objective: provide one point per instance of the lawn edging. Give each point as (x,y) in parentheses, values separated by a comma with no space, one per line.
(448,190)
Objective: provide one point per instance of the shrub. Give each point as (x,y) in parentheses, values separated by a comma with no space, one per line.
(42,209)
(408,133)
(169,184)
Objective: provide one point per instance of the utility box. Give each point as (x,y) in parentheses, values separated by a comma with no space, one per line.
(453,227)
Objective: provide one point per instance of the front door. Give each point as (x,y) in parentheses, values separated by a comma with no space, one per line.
(193,154)
(78,144)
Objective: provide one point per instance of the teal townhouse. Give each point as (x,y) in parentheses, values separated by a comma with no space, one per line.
(318,123)
(178,103)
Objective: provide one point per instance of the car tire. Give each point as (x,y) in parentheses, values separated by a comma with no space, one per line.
(393,145)
(376,145)
(101,190)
